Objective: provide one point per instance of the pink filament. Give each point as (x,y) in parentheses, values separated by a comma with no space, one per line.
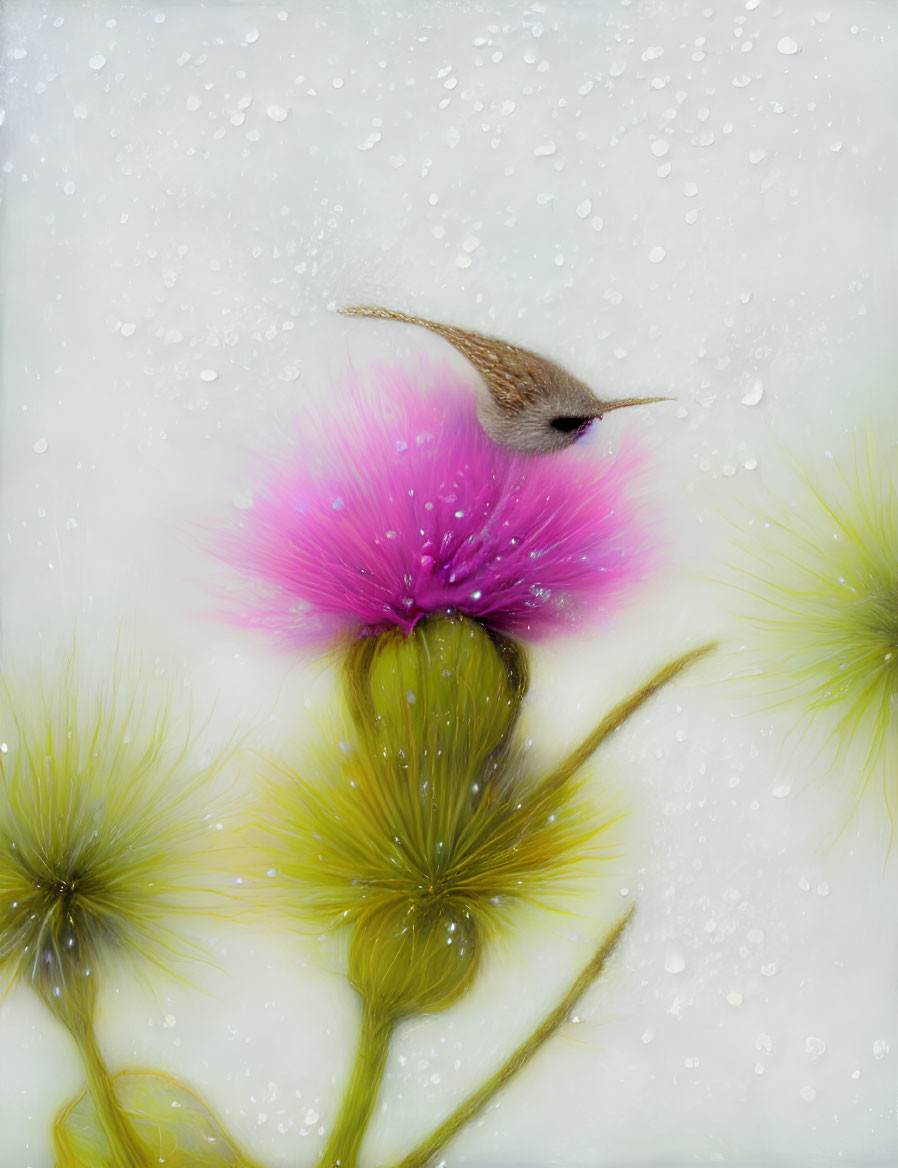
(403,506)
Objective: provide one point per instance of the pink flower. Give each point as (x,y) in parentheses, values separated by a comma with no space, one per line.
(402,506)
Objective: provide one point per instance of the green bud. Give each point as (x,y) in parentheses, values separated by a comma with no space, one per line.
(414,957)
(449,684)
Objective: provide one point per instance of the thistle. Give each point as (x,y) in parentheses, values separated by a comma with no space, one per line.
(424,830)
(408,509)
(823,611)
(100,836)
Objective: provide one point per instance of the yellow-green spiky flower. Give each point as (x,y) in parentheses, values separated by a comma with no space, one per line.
(424,827)
(101,832)
(823,587)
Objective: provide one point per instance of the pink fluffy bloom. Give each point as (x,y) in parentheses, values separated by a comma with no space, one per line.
(402,507)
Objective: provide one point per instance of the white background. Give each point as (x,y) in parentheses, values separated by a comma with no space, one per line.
(665,197)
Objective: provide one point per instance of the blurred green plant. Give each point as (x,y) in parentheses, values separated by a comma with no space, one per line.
(103,838)
(819,582)
(423,828)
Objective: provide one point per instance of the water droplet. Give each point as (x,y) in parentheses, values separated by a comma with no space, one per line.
(815,1047)
(781,791)
(656,255)
(208,375)
(41,446)
(252,36)
(289,373)
(545,150)
(128,328)
(660,147)
(881,1048)
(463,261)
(675,962)
(690,190)
(808,1094)
(277,113)
(96,62)
(734,998)
(788,46)
(584,209)
(753,395)
(648,1036)
(372,140)
(507,107)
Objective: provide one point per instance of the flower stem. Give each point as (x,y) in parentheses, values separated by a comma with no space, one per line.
(620,714)
(361,1092)
(126,1148)
(475,1102)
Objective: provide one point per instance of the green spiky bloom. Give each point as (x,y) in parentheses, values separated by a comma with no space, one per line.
(424,827)
(101,835)
(823,584)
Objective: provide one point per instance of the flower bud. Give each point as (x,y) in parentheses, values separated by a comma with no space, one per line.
(414,957)
(448,674)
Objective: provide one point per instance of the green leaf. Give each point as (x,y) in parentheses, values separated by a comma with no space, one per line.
(174,1126)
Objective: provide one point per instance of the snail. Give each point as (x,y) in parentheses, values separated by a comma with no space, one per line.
(534,405)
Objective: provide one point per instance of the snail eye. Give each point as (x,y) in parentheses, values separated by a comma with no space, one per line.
(570,425)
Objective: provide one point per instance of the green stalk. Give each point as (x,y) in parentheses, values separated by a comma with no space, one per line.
(619,715)
(73,1002)
(361,1091)
(126,1148)
(431,1145)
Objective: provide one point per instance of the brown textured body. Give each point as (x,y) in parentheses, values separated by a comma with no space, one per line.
(534,405)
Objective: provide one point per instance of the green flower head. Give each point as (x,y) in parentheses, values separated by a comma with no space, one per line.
(823,585)
(424,826)
(100,839)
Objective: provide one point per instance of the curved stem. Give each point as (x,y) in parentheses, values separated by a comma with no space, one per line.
(361,1091)
(126,1148)
(475,1102)
(620,714)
